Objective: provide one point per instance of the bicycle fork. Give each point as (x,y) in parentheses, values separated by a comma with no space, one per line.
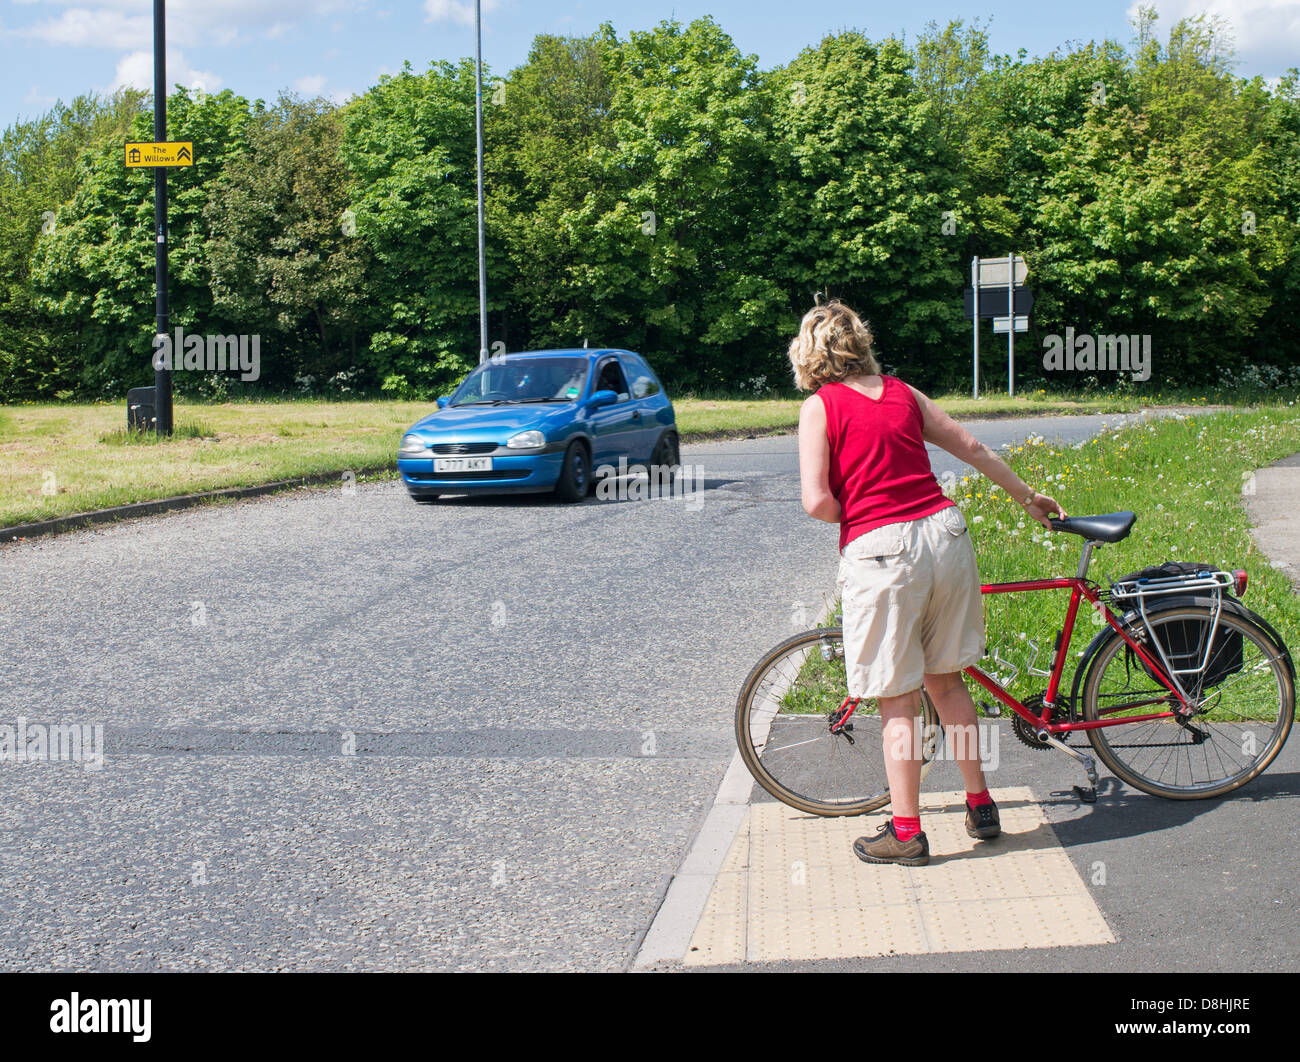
(839,720)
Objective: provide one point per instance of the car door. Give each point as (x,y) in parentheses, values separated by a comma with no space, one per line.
(647,399)
(613,428)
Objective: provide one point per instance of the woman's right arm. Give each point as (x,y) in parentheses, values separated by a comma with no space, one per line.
(815,463)
(946,433)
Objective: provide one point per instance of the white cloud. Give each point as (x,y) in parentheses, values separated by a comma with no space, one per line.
(136,70)
(190,23)
(461,11)
(38,99)
(311,85)
(103,28)
(1266,32)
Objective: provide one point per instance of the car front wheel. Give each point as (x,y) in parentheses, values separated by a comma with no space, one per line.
(575,474)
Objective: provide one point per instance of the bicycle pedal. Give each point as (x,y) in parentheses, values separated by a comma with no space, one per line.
(991,710)
(1088,796)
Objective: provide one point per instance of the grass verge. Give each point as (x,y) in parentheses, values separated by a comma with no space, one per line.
(57,460)
(1184,478)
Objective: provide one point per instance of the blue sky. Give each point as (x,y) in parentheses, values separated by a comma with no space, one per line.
(59,48)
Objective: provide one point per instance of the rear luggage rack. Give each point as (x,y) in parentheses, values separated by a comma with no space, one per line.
(1133,593)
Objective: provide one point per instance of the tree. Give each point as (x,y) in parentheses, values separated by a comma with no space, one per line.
(548,119)
(667,239)
(285,261)
(1157,216)
(859,210)
(95,271)
(409,147)
(39,173)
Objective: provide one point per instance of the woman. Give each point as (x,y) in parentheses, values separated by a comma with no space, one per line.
(913,612)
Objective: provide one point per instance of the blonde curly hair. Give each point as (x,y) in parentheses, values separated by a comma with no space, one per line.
(833,343)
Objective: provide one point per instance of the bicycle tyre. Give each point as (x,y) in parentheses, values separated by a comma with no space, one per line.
(752,754)
(1116,756)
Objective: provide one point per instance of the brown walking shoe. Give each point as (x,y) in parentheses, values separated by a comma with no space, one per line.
(885,847)
(982,822)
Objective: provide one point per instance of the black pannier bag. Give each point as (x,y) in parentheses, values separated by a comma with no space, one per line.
(1184,640)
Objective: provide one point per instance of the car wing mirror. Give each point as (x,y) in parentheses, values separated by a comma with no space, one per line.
(442,402)
(602,398)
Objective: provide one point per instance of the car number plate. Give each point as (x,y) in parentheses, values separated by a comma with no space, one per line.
(462,464)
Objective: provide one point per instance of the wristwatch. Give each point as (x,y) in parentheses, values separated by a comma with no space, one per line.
(1029,499)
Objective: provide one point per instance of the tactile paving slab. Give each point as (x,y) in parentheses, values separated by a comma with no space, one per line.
(791,888)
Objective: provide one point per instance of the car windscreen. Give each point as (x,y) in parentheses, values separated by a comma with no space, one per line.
(523,380)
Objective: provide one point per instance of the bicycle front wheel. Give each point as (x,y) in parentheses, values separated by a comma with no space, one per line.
(1244,698)
(783,730)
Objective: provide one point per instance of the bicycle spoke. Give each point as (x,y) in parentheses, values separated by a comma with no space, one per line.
(785,713)
(1242,709)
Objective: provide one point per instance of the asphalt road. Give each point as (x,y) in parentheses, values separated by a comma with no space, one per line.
(343,731)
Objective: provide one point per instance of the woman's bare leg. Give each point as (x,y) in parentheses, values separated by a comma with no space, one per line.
(956,709)
(898,716)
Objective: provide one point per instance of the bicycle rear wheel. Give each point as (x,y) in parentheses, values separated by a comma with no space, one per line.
(1240,723)
(783,730)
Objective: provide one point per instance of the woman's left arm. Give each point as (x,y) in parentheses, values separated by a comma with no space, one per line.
(815,463)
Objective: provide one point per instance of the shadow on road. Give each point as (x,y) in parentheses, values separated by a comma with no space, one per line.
(1122,812)
(517,501)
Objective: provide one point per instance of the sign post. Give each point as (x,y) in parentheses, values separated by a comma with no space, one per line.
(478,132)
(975,287)
(162,378)
(1008,303)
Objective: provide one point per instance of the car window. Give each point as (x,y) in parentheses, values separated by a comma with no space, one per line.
(612,379)
(524,380)
(643,382)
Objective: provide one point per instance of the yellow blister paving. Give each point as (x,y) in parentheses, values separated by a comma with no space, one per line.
(791,888)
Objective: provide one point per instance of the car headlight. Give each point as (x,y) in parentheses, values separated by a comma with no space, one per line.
(413,444)
(526,440)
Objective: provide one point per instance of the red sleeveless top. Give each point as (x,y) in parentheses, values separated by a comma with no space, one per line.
(880,470)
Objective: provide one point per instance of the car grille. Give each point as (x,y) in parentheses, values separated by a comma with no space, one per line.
(447,476)
(463,448)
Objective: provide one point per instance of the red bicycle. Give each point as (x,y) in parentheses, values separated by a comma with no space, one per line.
(1184,693)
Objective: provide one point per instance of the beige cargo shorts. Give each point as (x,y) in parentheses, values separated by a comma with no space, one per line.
(912,604)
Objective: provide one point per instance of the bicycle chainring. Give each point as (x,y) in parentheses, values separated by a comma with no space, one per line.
(1027,732)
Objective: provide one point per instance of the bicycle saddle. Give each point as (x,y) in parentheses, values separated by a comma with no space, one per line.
(1111,527)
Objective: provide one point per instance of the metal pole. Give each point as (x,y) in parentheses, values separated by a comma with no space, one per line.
(162,378)
(1011,331)
(478,126)
(975,286)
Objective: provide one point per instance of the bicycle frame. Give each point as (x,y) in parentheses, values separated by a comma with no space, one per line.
(1080,588)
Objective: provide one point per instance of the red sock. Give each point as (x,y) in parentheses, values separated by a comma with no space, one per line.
(906,829)
(977,799)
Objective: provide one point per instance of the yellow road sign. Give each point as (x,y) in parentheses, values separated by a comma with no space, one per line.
(177,153)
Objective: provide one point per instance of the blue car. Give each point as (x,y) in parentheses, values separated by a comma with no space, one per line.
(550,420)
